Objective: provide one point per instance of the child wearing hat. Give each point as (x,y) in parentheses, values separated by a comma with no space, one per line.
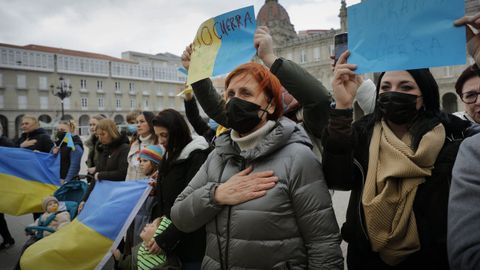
(150,158)
(51,218)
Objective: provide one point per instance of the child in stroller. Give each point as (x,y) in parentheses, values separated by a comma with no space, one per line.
(53,219)
(66,200)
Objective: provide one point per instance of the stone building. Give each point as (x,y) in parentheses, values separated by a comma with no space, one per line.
(101,84)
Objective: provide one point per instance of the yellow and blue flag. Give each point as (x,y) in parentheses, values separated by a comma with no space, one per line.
(86,242)
(69,141)
(222,43)
(26,178)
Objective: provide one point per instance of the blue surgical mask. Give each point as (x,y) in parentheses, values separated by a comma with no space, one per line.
(212,124)
(132,128)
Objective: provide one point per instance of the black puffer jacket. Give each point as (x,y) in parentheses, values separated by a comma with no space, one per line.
(112,164)
(44,142)
(189,247)
(346,154)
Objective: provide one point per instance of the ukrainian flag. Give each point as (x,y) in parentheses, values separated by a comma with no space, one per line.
(86,243)
(69,141)
(26,178)
(222,43)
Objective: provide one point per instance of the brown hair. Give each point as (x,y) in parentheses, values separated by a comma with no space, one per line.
(110,127)
(269,84)
(98,117)
(467,74)
(133,115)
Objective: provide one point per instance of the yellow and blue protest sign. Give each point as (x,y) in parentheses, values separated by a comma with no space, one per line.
(222,43)
(405,34)
(26,178)
(86,242)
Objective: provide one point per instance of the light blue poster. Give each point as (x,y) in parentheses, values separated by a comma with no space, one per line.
(405,34)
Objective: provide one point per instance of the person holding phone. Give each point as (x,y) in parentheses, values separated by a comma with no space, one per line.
(365,96)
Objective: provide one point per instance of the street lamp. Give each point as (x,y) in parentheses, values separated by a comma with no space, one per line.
(62,91)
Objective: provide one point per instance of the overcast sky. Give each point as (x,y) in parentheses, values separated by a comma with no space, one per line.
(150,26)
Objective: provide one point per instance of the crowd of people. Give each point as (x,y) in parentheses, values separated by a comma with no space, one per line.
(250,189)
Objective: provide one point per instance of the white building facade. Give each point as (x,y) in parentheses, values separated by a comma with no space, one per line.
(100,85)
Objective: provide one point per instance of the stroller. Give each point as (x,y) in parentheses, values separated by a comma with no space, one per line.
(69,196)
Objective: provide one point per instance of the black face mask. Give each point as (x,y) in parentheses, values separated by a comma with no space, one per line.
(399,108)
(59,137)
(242,116)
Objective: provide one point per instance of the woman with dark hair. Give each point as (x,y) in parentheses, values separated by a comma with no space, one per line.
(397,162)
(261,193)
(184,156)
(145,136)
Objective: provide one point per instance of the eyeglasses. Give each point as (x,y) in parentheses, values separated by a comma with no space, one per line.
(470,97)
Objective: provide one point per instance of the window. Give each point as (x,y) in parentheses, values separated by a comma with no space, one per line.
(66,103)
(131,87)
(43,102)
(118,103)
(171,100)
(42,82)
(84,102)
(145,104)
(117,87)
(21,81)
(83,84)
(1,80)
(1,102)
(133,103)
(303,56)
(159,103)
(316,53)
(101,103)
(22,102)
(99,85)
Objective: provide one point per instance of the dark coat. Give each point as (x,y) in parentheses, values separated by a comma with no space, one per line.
(189,247)
(346,154)
(112,164)
(94,150)
(6,142)
(44,142)
(199,125)
(65,152)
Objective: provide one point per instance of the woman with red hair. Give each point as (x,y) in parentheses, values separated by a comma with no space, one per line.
(261,193)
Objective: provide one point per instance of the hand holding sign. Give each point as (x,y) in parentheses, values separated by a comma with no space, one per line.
(473,45)
(221,44)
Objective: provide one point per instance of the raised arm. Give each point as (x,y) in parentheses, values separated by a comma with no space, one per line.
(310,92)
(208,97)
(473,39)
(338,140)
